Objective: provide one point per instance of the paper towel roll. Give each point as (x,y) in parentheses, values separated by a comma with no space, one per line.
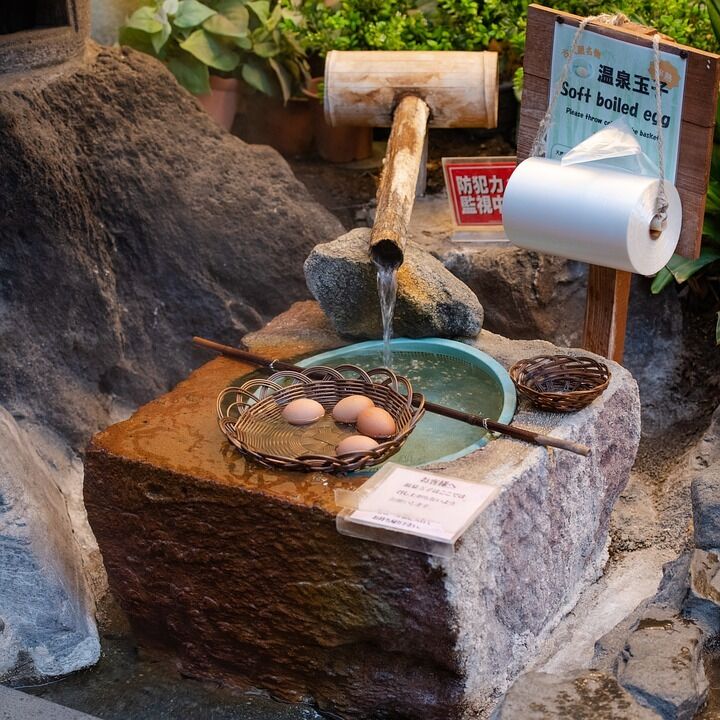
(592,214)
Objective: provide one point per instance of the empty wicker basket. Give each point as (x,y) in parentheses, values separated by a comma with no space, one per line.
(560,383)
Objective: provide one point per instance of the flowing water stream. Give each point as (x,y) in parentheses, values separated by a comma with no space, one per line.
(387,290)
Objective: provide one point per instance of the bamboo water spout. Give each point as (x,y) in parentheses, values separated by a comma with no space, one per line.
(407,91)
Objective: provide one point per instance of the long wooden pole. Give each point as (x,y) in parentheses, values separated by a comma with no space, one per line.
(470,419)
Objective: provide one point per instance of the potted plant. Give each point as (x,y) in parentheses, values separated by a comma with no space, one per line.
(326,25)
(216,47)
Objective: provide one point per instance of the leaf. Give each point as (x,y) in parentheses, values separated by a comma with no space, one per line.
(192,74)
(212,52)
(192,13)
(284,79)
(145,20)
(257,77)
(232,19)
(244,42)
(275,18)
(712,201)
(713,8)
(159,39)
(261,8)
(682,268)
(137,39)
(661,281)
(717,329)
(265,49)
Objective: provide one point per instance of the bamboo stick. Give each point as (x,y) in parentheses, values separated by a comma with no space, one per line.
(471,419)
(396,192)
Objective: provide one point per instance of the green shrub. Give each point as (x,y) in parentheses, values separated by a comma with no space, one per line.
(409,25)
(702,274)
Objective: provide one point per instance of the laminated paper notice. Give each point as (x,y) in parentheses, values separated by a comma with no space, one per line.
(411,508)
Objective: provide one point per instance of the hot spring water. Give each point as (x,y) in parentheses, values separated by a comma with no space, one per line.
(387,290)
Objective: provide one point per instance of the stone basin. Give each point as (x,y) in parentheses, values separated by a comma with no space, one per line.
(241,573)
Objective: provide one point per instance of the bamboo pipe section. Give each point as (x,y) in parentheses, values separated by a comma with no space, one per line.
(363,87)
(398,182)
(408,90)
(469,418)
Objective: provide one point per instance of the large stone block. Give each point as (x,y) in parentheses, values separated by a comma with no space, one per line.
(240,570)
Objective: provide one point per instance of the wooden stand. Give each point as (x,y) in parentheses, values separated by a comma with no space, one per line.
(609,290)
(606,309)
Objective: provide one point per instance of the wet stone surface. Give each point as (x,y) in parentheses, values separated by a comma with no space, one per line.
(661,665)
(588,695)
(431,301)
(138,683)
(240,572)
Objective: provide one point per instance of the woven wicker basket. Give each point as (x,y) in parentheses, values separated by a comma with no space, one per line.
(560,383)
(251,417)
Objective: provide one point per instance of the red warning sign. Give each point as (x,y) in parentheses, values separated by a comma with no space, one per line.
(475,188)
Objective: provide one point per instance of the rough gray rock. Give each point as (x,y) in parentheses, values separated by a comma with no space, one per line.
(586,695)
(669,600)
(703,600)
(130,221)
(431,302)
(46,613)
(522,291)
(16,705)
(705,490)
(707,450)
(662,666)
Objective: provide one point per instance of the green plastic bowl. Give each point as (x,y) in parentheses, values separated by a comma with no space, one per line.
(447,372)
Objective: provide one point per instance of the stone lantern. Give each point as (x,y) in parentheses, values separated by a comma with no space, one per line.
(36,33)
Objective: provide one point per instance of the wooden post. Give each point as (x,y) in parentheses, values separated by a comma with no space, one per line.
(606,309)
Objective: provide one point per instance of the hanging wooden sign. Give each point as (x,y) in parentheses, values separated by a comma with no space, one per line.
(698,75)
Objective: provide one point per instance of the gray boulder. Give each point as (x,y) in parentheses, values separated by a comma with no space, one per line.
(431,301)
(47,626)
(130,221)
(703,600)
(662,666)
(586,695)
(705,491)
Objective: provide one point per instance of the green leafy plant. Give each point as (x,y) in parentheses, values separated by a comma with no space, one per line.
(702,273)
(249,39)
(326,25)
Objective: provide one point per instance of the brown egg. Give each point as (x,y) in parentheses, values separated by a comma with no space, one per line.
(376,423)
(303,411)
(348,409)
(355,443)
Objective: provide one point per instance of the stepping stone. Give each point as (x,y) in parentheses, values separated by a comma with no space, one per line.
(16,705)
(240,570)
(586,695)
